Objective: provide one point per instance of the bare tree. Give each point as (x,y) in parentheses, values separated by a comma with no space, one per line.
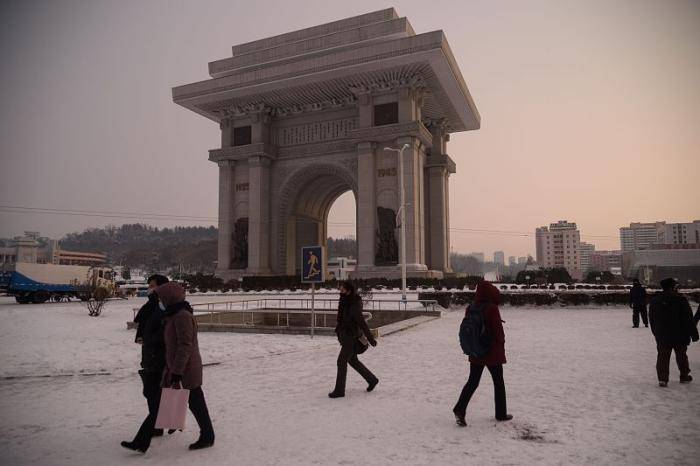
(95,299)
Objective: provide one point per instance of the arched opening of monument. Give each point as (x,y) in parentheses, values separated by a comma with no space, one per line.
(315,192)
(342,227)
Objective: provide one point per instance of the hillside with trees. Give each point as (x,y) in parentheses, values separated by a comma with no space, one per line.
(193,249)
(148,247)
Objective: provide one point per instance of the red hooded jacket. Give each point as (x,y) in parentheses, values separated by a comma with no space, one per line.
(488,294)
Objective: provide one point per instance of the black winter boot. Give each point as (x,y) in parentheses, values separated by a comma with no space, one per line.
(134,447)
(460,419)
(335,394)
(373,384)
(203,442)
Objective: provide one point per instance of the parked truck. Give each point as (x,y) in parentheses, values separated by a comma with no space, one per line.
(38,283)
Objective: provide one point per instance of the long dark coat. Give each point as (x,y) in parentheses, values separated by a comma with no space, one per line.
(671,319)
(351,324)
(488,295)
(181,346)
(149,333)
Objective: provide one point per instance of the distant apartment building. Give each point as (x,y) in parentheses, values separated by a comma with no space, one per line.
(512,261)
(641,236)
(499,257)
(559,246)
(682,233)
(585,251)
(606,261)
(522,260)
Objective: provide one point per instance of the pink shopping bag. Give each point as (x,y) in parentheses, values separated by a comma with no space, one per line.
(173,408)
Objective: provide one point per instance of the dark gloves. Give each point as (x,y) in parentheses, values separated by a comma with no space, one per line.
(175,381)
(372,341)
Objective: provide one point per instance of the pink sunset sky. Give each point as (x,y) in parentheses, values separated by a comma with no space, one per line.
(590,111)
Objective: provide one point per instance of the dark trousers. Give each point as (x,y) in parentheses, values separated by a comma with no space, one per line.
(636,312)
(197,404)
(470,387)
(664,359)
(151,391)
(198,407)
(349,356)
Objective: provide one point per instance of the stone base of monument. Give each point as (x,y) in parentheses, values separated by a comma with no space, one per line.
(394,272)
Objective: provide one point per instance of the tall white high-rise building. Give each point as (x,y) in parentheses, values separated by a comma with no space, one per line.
(559,246)
(640,236)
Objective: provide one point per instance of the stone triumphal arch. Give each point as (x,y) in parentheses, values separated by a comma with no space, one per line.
(305,116)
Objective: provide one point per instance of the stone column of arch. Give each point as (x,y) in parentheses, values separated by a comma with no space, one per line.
(438,168)
(366,206)
(226,202)
(259,216)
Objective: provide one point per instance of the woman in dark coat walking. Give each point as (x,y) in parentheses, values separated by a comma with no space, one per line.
(350,328)
(183,361)
(487,299)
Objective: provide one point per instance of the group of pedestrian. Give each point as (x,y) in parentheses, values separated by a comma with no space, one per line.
(167,332)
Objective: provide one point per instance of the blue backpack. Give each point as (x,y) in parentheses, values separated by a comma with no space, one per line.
(473,336)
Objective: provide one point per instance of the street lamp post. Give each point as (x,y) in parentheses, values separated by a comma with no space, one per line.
(402,211)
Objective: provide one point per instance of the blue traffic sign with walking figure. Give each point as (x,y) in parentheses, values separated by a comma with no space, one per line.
(312,264)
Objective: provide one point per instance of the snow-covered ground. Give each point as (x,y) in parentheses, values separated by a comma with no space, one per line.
(581,384)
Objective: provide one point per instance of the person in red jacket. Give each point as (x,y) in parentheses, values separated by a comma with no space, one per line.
(487,298)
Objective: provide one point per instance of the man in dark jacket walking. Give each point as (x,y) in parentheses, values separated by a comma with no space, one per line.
(350,328)
(638,303)
(182,358)
(672,325)
(487,299)
(149,333)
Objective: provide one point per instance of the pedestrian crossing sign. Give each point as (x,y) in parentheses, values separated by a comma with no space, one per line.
(312,264)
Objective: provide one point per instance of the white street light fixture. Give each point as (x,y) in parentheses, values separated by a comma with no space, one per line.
(402,211)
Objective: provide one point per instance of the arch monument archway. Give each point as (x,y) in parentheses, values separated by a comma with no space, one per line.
(306,116)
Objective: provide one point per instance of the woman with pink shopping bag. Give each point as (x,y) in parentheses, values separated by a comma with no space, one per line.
(183,365)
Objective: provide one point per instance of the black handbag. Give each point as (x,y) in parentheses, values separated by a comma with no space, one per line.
(361,344)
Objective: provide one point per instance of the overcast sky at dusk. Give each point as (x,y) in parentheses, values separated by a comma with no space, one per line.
(590,111)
